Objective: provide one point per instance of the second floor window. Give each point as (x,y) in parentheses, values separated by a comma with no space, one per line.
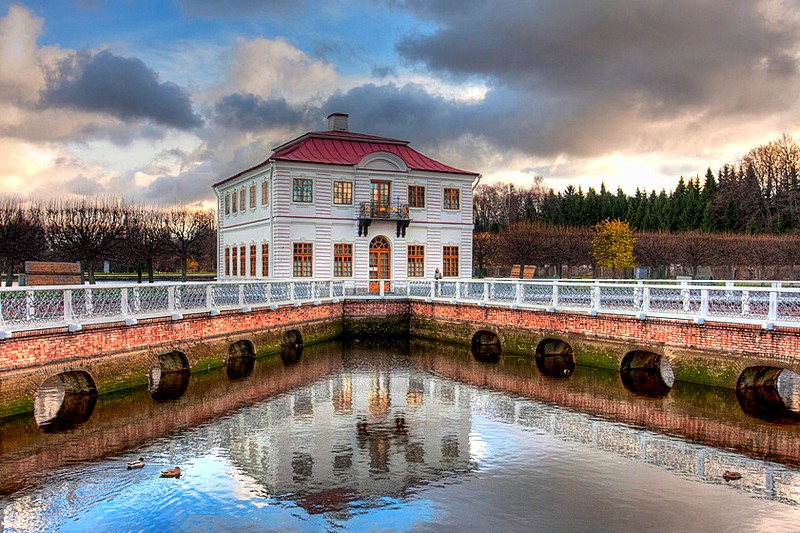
(416,261)
(235,201)
(242,200)
(264,193)
(252,196)
(302,260)
(416,196)
(343,192)
(227,204)
(301,190)
(451,199)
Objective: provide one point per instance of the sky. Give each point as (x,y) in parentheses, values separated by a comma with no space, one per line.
(155,100)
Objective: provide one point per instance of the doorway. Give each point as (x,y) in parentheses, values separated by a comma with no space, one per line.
(379,261)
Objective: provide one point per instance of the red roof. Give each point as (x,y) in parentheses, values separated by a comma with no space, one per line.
(346,148)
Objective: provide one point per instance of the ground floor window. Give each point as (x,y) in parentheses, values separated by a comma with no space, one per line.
(450,261)
(416,261)
(343,260)
(234,261)
(227,261)
(265,260)
(252,260)
(302,260)
(243,261)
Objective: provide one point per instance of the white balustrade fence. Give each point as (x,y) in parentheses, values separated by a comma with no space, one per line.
(765,303)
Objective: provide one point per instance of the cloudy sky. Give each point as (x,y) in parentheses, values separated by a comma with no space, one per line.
(155,100)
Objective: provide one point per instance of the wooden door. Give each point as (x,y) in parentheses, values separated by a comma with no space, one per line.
(379,261)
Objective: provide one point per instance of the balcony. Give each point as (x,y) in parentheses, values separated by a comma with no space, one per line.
(369,211)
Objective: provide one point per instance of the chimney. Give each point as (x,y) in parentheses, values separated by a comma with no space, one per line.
(337,121)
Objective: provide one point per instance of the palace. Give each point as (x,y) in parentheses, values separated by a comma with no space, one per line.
(338,204)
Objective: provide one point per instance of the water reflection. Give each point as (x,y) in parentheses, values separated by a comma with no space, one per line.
(349,431)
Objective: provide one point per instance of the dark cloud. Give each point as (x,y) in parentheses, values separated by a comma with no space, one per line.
(84,186)
(122,87)
(383,72)
(584,75)
(248,112)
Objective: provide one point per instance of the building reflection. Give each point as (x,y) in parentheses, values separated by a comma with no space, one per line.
(360,438)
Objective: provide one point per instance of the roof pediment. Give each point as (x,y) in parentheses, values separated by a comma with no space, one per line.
(382,161)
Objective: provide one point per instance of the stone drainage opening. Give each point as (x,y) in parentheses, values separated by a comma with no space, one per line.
(64,401)
(554,358)
(770,393)
(241,360)
(647,373)
(291,347)
(486,346)
(169,376)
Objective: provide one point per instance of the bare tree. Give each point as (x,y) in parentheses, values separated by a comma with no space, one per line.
(86,229)
(190,231)
(21,234)
(147,240)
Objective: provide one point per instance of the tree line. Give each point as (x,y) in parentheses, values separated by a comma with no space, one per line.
(569,251)
(94,230)
(755,194)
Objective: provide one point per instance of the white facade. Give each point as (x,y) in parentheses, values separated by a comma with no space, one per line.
(300,219)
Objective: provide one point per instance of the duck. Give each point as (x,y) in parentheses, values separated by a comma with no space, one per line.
(136,464)
(171,472)
(730,475)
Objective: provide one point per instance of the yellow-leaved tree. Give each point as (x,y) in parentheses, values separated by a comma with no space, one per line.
(612,244)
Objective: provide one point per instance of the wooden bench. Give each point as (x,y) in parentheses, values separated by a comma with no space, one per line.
(528,271)
(515,271)
(39,273)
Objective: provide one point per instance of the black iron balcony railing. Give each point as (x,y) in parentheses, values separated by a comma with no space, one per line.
(369,211)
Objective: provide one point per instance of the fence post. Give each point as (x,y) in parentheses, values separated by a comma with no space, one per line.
(123,302)
(485,291)
(645,299)
(171,298)
(703,303)
(67,305)
(518,294)
(772,315)
(554,299)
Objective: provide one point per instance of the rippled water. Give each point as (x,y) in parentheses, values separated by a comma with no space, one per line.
(420,438)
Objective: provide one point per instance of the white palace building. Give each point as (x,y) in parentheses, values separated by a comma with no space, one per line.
(337,204)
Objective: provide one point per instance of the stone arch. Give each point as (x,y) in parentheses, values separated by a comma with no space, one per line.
(169,376)
(486,346)
(647,373)
(291,347)
(64,400)
(769,393)
(555,358)
(241,359)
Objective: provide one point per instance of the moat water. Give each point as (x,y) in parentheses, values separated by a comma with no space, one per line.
(404,437)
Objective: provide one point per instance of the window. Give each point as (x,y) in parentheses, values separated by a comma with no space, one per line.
(416,261)
(301,190)
(450,261)
(243,261)
(234,260)
(227,204)
(235,203)
(416,196)
(264,193)
(303,255)
(343,192)
(265,260)
(379,195)
(227,261)
(253,196)
(252,260)
(342,260)
(451,199)
(242,200)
